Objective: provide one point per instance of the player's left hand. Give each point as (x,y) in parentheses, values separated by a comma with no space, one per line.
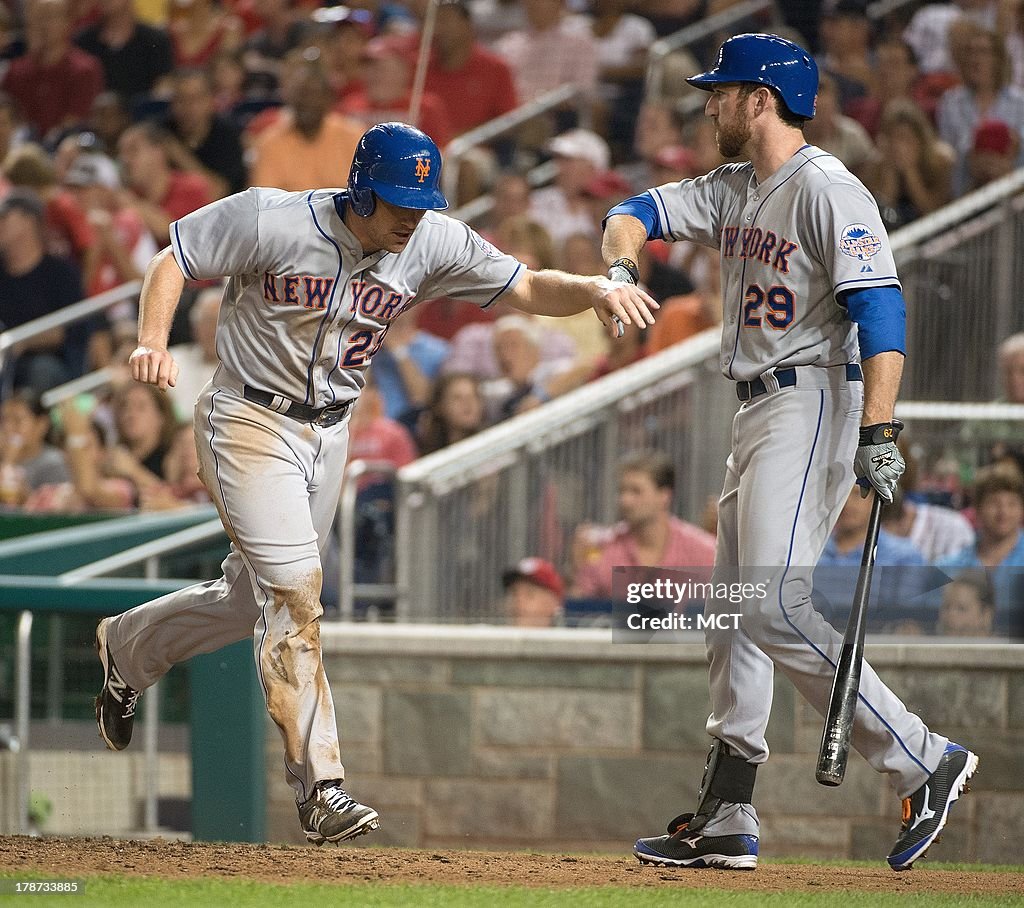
(878,463)
(620,304)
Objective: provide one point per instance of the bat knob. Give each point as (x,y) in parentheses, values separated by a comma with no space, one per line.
(830,778)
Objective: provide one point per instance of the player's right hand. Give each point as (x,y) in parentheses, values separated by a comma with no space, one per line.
(621,304)
(153,366)
(878,463)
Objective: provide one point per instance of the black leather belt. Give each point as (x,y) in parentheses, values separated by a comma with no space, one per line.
(323,416)
(748,390)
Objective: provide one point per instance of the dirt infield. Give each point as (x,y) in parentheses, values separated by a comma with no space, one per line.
(67,857)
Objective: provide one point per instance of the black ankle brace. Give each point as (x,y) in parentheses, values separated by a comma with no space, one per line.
(726,779)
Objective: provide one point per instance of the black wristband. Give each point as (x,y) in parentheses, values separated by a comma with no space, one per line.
(629,266)
(880,433)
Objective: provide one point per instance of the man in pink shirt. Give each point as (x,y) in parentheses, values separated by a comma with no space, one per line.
(649,535)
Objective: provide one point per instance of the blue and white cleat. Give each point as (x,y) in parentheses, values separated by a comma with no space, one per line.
(681,848)
(926,810)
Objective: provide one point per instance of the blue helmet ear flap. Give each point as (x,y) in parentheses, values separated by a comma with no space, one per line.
(361,199)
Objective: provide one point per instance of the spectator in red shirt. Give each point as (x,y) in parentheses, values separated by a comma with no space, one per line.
(387,94)
(475,84)
(68,233)
(54,83)
(374,437)
(534,593)
(552,50)
(123,243)
(34,283)
(8,126)
(158,193)
(200,29)
(896,76)
(648,536)
(342,34)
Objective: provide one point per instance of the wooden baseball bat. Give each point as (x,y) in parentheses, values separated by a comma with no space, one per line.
(835,739)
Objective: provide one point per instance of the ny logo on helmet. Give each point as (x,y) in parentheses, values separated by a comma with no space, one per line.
(422,168)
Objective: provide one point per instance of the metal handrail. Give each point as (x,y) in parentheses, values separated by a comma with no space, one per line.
(147,552)
(347,543)
(882,8)
(492,446)
(176,541)
(99,378)
(948,411)
(974,202)
(22,705)
(691,34)
(481,205)
(68,315)
(460,145)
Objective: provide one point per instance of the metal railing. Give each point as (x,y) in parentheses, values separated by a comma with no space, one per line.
(468,511)
(460,146)
(700,31)
(149,554)
(91,381)
(961,268)
(69,315)
(349,592)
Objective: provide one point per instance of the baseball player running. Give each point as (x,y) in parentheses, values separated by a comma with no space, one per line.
(316,279)
(813,336)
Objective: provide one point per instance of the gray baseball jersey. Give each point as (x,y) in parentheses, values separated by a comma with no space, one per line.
(304,310)
(303,314)
(788,246)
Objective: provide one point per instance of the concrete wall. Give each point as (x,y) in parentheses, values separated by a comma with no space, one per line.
(561,740)
(91,790)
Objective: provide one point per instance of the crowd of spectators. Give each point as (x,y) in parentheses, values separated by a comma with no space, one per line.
(119,116)
(939,569)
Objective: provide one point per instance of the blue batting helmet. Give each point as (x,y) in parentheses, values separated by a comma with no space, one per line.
(767,60)
(400,164)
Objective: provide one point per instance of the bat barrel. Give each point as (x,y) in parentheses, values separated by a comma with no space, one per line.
(842,707)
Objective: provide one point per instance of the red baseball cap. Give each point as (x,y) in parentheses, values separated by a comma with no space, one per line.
(606,184)
(994,137)
(676,157)
(535,570)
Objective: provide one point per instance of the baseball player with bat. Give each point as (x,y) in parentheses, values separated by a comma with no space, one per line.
(813,337)
(316,279)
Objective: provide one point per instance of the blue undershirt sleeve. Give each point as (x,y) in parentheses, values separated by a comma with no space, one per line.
(881,318)
(642,208)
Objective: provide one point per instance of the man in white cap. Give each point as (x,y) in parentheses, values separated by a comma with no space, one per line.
(564,208)
(125,241)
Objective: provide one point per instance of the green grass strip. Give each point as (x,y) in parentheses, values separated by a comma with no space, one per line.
(114,892)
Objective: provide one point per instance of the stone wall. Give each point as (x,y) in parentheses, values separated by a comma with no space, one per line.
(561,740)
